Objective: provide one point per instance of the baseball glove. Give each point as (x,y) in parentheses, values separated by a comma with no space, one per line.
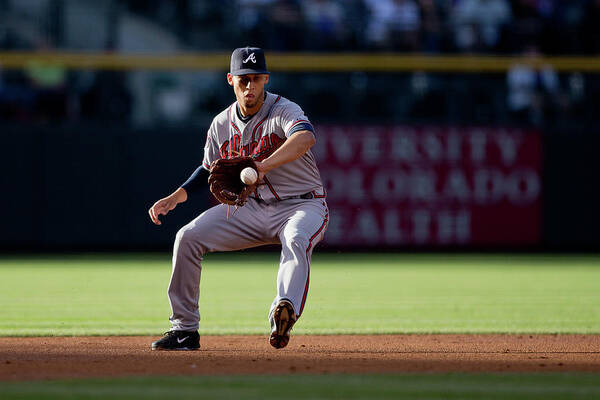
(225,183)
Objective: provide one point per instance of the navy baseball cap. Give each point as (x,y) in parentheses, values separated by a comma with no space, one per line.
(248,60)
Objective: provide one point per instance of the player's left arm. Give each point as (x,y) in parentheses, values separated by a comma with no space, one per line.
(292,149)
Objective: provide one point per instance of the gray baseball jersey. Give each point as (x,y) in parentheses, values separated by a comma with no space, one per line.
(289,209)
(276,120)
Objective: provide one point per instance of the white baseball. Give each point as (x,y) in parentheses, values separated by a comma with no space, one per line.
(249,175)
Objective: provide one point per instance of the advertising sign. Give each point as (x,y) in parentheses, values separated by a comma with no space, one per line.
(430,186)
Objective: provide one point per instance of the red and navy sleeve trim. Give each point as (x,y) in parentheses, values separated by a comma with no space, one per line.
(300,125)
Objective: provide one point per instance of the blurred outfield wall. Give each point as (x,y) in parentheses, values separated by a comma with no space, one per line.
(89,188)
(392,184)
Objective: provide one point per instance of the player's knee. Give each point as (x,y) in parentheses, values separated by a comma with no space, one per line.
(182,237)
(185,239)
(297,240)
(190,240)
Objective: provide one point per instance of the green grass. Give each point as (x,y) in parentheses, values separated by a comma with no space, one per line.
(291,387)
(349,293)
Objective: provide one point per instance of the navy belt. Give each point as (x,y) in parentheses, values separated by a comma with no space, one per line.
(304,196)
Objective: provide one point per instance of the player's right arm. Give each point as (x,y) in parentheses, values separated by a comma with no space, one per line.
(164,205)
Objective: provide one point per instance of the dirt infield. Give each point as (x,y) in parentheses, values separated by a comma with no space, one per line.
(75,357)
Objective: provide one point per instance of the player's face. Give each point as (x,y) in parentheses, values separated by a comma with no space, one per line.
(249,90)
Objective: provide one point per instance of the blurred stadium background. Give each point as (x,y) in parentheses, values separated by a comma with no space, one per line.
(441,124)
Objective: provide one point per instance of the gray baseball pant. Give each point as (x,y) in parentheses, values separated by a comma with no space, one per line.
(298,224)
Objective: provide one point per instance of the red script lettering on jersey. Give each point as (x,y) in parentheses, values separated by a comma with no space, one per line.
(259,151)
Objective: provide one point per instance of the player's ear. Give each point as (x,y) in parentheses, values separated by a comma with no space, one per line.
(230,79)
(267,78)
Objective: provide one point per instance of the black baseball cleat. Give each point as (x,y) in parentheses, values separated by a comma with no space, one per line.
(178,340)
(282,321)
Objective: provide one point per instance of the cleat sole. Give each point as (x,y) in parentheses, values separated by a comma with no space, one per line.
(284,321)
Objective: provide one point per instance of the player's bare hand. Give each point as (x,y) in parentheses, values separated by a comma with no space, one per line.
(163,206)
(261,168)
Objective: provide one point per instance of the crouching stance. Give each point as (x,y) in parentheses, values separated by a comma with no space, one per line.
(285,205)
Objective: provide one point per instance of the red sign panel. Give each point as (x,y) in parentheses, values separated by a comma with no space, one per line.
(407,186)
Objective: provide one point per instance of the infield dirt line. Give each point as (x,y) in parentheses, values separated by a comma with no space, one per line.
(32,358)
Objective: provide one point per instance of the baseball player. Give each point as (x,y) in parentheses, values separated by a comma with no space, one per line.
(287,206)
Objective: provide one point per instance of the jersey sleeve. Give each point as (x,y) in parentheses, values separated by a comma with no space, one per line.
(293,120)
(211,150)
